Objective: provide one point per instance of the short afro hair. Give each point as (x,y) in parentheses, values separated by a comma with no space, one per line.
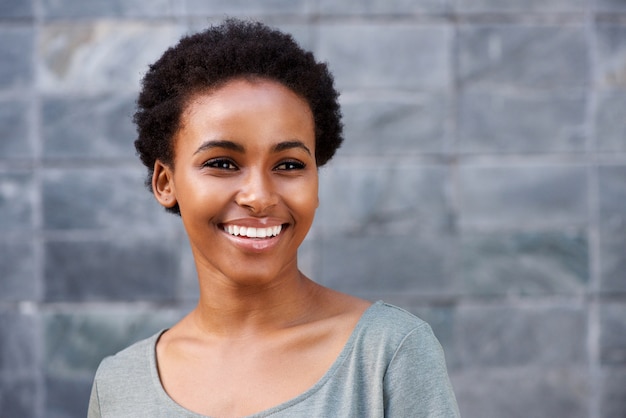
(209,59)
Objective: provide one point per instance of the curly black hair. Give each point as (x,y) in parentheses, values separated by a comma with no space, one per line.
(217,55)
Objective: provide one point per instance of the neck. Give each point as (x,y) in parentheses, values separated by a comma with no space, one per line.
(234,310)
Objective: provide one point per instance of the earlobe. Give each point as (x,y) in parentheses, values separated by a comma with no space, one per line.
(163,185)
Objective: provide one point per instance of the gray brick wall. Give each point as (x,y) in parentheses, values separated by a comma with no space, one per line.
(482,186)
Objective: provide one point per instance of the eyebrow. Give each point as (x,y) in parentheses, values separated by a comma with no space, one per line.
(282,146)
(233,146)
(230,145)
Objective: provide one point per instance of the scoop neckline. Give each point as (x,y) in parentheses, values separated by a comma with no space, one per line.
(343,354)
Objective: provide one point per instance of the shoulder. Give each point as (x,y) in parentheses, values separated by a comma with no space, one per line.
(126,384)
(391,323)
(397,347)
(416,381)
(396,315)
(134,361)
(385,330)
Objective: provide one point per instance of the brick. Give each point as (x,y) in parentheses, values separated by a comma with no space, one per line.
(513,122)
(246,8)
(395,126)
(67,397)
(76,342)
(398,200)
(613,260)
(523,393)
(378,7)
(85,57)
(16,9)
(610,128)
(18,349)
(503,336)
(18,396)
(513,6)
(612,217)
(613,393)
(398,56)
(105,8)
(523,55)
(15,129)
(106,119)
(17,269)
(613,334)
(102,198)
(16,63)
(526,263)
(515,195)
(609,5)
(376,266)
(125,268)
(612,195)
(611,55)
(17,196)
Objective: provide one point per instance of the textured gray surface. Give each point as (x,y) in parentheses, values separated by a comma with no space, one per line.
(482,186)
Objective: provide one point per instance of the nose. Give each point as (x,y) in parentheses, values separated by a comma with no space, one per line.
(257,193)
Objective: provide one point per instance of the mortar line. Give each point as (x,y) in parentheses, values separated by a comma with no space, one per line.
(38,217)
(593,322)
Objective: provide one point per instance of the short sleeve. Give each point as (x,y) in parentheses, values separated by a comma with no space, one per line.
(416,383)
(94,404)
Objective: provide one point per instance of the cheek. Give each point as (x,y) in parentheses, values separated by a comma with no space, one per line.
(304,198)
(201,195)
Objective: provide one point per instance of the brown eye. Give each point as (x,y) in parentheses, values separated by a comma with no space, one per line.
(221,164)
(290,165)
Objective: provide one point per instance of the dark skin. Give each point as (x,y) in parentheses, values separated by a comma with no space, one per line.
(245,178)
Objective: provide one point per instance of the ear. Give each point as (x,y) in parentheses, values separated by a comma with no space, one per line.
(163,185)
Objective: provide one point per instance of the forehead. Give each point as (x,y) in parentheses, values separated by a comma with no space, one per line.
(256,91)
(243,109)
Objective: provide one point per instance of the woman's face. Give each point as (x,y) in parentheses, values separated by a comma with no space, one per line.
(245,178)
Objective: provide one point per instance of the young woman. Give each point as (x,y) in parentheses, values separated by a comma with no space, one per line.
(233,124)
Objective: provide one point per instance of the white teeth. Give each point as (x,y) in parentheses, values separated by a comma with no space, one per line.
(252,232)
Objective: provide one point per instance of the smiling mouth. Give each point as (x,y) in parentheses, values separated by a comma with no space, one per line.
(252,232)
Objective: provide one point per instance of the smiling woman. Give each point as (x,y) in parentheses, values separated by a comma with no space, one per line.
(243,159)
(233,124)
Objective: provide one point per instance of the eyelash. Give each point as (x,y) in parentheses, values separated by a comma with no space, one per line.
(295,165)
(221,164)
(226,164)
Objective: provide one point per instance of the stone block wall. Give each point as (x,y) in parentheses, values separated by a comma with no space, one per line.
(482,186)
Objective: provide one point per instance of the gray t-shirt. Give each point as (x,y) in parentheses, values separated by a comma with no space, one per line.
(391,366)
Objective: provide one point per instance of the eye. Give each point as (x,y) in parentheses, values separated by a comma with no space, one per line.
(290,165)
(221,164)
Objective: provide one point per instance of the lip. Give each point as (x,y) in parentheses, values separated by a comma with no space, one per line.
(254,222)
(255,245)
